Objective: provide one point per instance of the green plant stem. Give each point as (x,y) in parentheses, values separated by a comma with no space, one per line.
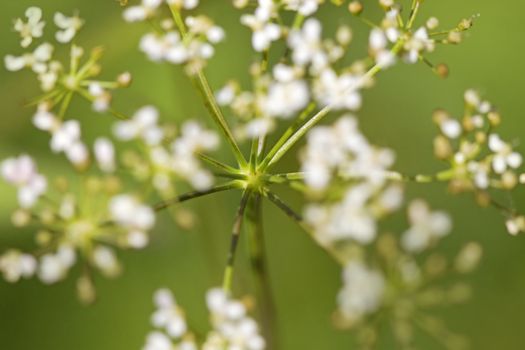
(227,281)
(202,84)
(195,194)
(286,135)
(219,165)
(413,13)
(65,104)
(258,259)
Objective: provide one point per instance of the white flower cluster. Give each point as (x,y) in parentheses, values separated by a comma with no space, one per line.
(58,82)
(232,327)
(426,227)
(33,28)
(76,232)
(65,135)
(40,60)
(69,224)
(169,157)
(200,34)
(304,7)
(309,51)
(393,285)
(362,292)
(390,32)
(15,265)
(169,318)
(341,150)
(265,30)
(479,158)
(279,96)
(136,218)
(286,92)
(22,172)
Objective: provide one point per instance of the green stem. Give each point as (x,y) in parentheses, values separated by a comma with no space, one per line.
(207,95)
(65,104)
(266,304)
(289,132)
(218,164)
(413,13)
(227,282)
(195,194)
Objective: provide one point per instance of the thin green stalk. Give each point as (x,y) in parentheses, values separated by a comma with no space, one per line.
(195,194)
(413,13)
(258,259)
(227,282)
(289,132)
(299,134)
(208,97)
(442,176)
(65,104)
(218,164)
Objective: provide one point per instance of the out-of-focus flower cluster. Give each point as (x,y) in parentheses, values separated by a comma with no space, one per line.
(232,328)
(480,160)
(73,221)
(166,154)
(401,280)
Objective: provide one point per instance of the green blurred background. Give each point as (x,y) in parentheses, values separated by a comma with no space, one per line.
(396,114)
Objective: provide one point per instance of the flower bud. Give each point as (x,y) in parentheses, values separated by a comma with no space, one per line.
(355,7)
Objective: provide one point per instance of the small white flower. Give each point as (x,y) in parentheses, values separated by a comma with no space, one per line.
(15,265)
(101,98)
(128,212)
(69,27)
(37,61)
(304,7)
(141,12)
(105,154)
(264,31)
(307,46)
(451,128)
(143,125)
(54,267)
(105,260)
(362,292)
(426,226)
(339,92)
(33,28)
(22,172)
(185,4)
(286,95)
(504,157)
(419,42)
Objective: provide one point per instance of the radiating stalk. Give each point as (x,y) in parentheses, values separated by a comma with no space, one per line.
(234,241)
(289,132)
(258,259)
(195,194)
(201,82)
